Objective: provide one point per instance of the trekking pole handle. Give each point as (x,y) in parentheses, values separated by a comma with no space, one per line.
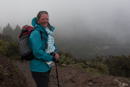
(57,61)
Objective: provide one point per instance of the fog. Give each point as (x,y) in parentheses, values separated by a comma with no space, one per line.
(72,17)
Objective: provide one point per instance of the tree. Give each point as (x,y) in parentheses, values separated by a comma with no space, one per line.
(16,32)
(0,30)
(7,30)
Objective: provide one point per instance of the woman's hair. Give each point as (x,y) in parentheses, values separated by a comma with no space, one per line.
(40,13)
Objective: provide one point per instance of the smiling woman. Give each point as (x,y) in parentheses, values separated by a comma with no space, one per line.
(41,65)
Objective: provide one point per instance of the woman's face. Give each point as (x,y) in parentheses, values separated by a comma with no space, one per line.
(44,19)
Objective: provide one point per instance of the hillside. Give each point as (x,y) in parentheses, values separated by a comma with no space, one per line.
(18,74)
(10,75)
(72,76)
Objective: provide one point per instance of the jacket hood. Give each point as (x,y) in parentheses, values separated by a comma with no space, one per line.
(34,22)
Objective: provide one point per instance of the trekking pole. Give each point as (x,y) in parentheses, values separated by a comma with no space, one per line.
(57,72)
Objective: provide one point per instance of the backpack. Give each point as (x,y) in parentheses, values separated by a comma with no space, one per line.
(25,50)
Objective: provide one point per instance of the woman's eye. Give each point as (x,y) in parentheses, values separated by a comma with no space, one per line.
(44,19)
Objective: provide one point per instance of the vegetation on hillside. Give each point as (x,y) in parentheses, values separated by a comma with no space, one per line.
(112,65)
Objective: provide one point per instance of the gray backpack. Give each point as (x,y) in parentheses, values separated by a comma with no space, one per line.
(25,50)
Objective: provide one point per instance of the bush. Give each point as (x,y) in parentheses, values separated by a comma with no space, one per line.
(113,65)
(1,46)
(6,38)
(65,60)
(119,65)
(98,64)
(10,49)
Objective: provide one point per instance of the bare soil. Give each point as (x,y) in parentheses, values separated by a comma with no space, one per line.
(70,76)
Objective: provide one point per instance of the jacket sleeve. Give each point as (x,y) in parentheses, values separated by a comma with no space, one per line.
(38,46)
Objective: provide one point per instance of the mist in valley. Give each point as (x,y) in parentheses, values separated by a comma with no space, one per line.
(83,28)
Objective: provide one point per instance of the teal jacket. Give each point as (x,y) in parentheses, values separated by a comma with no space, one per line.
(38,47)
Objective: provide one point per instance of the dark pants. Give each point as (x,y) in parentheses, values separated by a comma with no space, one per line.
(41,78)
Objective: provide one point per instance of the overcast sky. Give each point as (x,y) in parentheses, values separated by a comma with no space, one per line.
(105,15)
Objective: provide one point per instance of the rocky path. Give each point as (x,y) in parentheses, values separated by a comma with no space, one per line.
(70,76)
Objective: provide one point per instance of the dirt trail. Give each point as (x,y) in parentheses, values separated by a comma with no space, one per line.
(24,68)
(70,76)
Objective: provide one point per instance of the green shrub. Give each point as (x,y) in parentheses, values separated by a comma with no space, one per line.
(65,60)
(98,65)
(1,46)
(119,65)
(11,49)
(113,65)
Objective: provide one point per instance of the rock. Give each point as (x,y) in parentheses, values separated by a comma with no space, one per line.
(64,65)
(1,66)
(117,83)
(124,85)
(90,84)
(73,80)
(10,75)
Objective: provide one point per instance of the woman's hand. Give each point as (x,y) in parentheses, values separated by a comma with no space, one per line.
(56,56)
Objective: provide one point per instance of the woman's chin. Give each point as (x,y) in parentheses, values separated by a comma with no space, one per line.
(45,25)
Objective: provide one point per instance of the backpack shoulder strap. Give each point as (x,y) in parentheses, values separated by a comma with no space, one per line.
(42,36)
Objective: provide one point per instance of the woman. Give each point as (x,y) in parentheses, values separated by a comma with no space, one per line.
(39,68)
